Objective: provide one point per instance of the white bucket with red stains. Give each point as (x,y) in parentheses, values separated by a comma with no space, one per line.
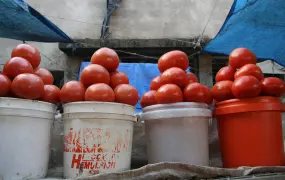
(25,128)
(97,138)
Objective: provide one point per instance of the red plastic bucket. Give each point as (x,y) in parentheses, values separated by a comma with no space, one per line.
(250,132)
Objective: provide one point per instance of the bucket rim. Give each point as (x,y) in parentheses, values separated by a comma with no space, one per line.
(260,103)
(177,113)
(132,118)
(174,105)
(51,105)
(28,100)
(96,102)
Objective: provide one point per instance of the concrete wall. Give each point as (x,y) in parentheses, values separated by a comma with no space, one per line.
(139,19)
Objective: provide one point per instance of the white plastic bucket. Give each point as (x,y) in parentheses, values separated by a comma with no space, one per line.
(97,138)
(178,134)
(25,127)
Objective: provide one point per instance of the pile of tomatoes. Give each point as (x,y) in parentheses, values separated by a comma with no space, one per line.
(244,79)
(23,78)
(101,81)
(175,84)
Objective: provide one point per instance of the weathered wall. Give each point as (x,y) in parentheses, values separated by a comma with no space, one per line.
(147,19)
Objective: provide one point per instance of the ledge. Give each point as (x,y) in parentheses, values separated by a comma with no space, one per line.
(150,47)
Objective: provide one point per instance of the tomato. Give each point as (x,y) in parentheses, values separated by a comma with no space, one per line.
(240,57)
(107,58)
(250,70)
(72,91)
(191,77)
(169,93)
(100,92)
(16,66)
(93,74)
(173,59)
(225,73)
(28,52)
(126,94)
(51,94)
(156,83)
(28,86)
(273,86)
(117,78)
(223,91)
(196,92)
(174,76)
(46,76)
(148,98)
(5,85)
(246,87)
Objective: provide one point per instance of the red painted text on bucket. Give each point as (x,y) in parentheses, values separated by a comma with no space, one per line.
(96,148)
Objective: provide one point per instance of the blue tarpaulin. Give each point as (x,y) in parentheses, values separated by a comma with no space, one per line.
(20,21)
(140,76)
(258,25)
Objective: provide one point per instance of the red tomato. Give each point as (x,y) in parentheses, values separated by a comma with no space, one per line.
(225,74)
(72,91)
(28,52)
(148,98)
(197,92)
(117,78)
(223,91)
(5,85)
(107,58)
(46,76)
(240,57)
(174,76)
(191,77)
(93,74)
(126,94)
(28,86)
(16,66)
(169,93)
(246,87)
(100,92)
(173,59)
(250,70)
(51,94)
(156,83)
(273,86)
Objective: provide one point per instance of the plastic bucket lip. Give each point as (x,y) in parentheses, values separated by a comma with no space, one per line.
(177,113)
(92,115)
(98,107)
(260,103)
(180,105)
(97,102)
(27,104)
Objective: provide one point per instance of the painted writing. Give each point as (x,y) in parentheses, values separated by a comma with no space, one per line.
(99,163)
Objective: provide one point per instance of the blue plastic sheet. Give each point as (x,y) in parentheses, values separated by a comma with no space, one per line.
(20,21)
(258,25)
(140,76)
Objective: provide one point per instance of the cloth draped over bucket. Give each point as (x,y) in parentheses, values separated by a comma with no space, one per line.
(20,21)
(258,25)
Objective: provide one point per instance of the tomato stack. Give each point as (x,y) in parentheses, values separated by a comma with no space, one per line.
(244,79)
(100,81)
(23,78)
(175,84)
